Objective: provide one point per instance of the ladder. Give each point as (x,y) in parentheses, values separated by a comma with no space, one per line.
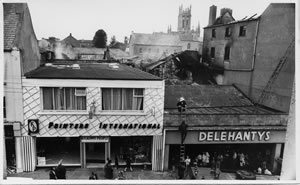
(276,72)
(182,152)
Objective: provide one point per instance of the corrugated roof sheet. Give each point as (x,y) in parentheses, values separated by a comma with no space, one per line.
(11,22)
(103,71)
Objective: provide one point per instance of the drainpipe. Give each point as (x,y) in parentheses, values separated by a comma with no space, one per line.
(163,152)
(254,52)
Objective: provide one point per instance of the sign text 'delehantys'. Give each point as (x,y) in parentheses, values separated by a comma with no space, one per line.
(234,136)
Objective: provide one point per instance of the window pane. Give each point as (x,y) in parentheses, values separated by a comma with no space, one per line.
(70,98)
(106,99)
(138,92)
(127,95)
(47,98)
(81,102)
(117,99)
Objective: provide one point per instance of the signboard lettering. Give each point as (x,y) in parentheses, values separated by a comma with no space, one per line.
(234,136)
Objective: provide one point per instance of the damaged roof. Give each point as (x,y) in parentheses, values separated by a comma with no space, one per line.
(103,71)
(211,99)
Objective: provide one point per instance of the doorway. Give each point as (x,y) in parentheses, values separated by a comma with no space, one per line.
(95,154)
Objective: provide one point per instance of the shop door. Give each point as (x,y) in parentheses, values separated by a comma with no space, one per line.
(95,154)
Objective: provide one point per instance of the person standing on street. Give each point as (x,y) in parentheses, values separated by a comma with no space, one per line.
(60,170)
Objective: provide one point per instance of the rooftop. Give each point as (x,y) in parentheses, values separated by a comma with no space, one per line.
(103,71)
(12,18)
(211,99)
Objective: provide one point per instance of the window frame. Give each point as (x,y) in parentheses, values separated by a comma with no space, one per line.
(122,105)
(243,31)
(228,31)
(212,54)
(213,33)
(227,53)
(65,109)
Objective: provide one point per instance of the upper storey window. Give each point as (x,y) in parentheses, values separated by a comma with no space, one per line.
(122,99)
(243,31)
(228,32)
(213,33)
(64,98)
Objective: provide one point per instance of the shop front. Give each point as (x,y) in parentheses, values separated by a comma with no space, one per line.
(85,122)
(241,148)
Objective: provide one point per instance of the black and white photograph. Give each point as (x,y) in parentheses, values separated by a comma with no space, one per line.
(156,91)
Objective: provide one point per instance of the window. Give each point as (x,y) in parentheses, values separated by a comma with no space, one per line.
(189,46)
(242,31)
(122,99)
(141,50)
(228,32)
(212,52)
(227,53)
(64,98)
(213,33)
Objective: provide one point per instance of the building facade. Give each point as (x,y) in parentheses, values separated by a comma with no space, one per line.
(248,51)
(155,45)
(221,120)
(101,111)
(21,54)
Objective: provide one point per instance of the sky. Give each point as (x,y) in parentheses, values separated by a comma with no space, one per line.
(82,18)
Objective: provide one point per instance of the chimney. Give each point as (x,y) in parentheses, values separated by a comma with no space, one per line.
(212,15)
(225,10)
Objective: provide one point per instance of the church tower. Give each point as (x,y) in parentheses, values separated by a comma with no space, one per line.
(184,19)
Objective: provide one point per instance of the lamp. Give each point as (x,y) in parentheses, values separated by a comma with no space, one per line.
(92,110)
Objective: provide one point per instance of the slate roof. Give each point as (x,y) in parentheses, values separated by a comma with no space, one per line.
(114,52)
(103,71)
(12,20)
(155,39)
(71,40)
(211,99)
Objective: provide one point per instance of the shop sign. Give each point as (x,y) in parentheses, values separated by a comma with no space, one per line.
(234,136)
(68,125)
(96,139)
(33,126)
(129,126)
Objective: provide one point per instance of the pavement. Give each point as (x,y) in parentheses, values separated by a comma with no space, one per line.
(136,174)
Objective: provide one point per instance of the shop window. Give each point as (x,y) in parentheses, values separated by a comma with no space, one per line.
(213,33)
(122,99)
(228,32)
(50,150)
(212,52)
(242,31)
(138,148)
(227,53)
(64,98)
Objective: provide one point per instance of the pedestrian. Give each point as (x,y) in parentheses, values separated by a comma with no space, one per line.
(108,170)
(199,157)
(52,174)
(187,161)
(60,170)
(207,159)
(218,166)
(93,176)
(181,169)
(116,162)
(128,163)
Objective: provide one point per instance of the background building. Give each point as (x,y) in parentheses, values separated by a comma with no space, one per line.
(254,51)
